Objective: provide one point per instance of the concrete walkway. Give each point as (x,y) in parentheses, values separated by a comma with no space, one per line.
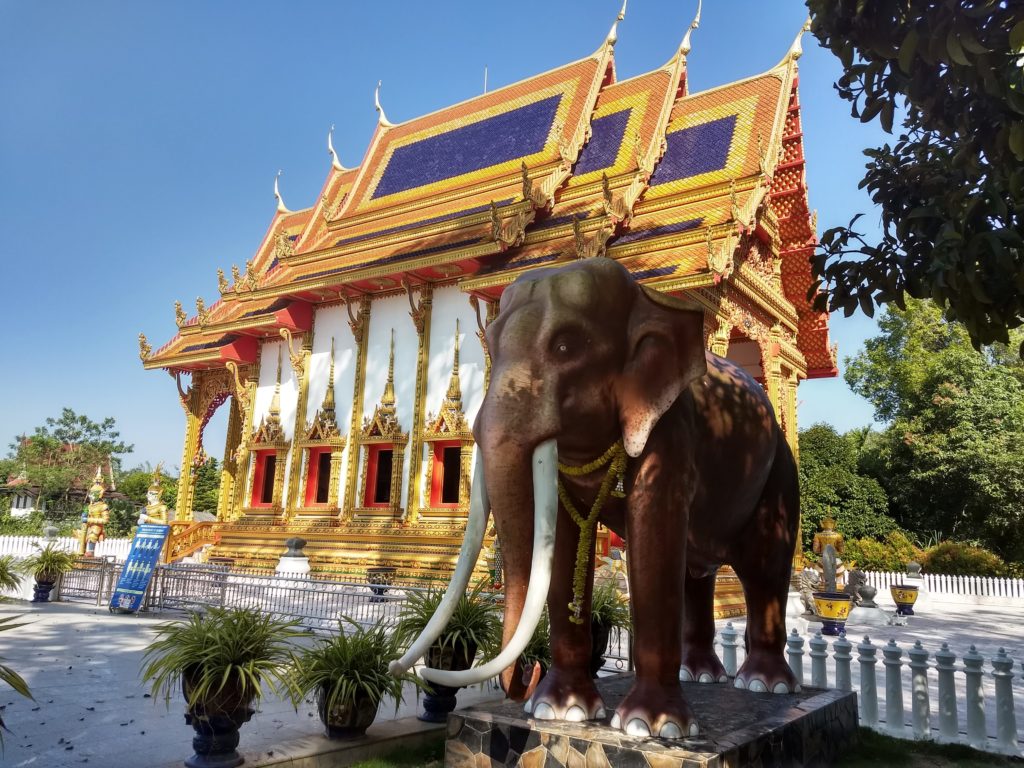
(82,665)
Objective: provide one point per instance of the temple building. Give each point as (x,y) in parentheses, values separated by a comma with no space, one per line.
(349,349)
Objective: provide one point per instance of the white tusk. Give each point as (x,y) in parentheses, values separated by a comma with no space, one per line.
(476,526)
(545,480)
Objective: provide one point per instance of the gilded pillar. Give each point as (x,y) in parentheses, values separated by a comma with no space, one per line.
(490,313)
(186,480)
(718,341)
(420,312)
(300,365)
(245,397)
(771,364)
(229,468)
(359,323)
(792,433)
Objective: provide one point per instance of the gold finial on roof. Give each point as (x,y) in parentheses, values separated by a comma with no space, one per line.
(236,275)
(684,47)
(381,117)
(281,207)
(222,282)
(388,400)
(335,162)
(179,314)
(613,33)
(145,350)
(796,50)
(202,313)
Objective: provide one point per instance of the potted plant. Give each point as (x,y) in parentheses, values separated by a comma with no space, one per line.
(223,662)
(348,677)
(46,566)
(10,580)
(475,626)
(833,608)
(609,609)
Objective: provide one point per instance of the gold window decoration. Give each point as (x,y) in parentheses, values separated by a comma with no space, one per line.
(383,446)
(322,446)
(450,444)
(269,452)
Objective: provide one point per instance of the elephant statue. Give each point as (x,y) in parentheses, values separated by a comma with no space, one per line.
(600,385)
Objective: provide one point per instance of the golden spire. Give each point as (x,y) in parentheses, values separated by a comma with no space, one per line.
(796,50)
(281,207)
(381,118)
(684,47)
(275,403)
(388,400)
(454,394)
(613,33)
(328,406)
(335,162)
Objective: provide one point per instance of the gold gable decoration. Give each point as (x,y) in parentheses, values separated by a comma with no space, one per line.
(324,428)
(450,422)
(270,431)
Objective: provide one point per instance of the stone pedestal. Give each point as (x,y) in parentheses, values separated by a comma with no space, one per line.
(738,728)
(293,562)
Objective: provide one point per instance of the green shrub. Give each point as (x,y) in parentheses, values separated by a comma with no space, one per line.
(959,559)
(891,554)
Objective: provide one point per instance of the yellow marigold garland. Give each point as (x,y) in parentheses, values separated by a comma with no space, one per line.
(615,458)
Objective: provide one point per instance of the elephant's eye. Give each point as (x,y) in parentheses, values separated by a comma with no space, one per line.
(566,345)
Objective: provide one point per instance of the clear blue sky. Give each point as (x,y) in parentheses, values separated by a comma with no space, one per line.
(139,142)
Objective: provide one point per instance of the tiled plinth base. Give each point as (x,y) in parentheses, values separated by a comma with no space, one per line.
(738,729)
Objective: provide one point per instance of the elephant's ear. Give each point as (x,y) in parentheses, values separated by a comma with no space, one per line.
(665,354)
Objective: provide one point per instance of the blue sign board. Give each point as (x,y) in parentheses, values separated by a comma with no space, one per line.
(138,568)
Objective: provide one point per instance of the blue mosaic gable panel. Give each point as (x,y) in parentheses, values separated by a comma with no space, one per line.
(498,139)
(699,149)
(656,272)
(605,140)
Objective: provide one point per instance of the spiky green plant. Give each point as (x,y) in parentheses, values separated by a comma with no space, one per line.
(538,650)
(47,563)
(475,624)
(350,665)
(8,675)
(226,650)
(10,579)
(609,607)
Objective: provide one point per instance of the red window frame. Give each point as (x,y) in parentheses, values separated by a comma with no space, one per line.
(259,470)
(437,474)
(313,474)
(372,455)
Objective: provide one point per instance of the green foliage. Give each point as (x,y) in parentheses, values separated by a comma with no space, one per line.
(207,487)
(538,650)
(7,675)
(349,666)
(224,650)
(831,485)
(10,578)
(609,607)
(475,623)
(892,553)
(950,457)
(959,559)
(48,563)
(951,188)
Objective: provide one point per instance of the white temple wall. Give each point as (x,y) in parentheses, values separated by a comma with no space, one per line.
(385,315)
(265,387)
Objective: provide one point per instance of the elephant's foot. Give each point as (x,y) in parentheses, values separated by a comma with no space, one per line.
(566,696)
(766,671)
(701,666)
(651,709)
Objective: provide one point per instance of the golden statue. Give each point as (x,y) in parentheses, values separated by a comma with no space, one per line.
(95,517)
(155,511)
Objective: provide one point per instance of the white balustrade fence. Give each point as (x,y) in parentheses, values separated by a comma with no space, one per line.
(975,590)
(970,702)
(23,546)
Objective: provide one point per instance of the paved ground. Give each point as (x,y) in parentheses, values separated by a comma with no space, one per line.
(91,709)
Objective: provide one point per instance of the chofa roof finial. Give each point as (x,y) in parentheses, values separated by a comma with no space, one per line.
(335,162)
(281,207)
(382,118)
(796,50)
(684,47)
(613,33)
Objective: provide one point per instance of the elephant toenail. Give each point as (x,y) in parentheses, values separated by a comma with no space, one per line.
(705,677)
(600,714)
(685,675)
(615,722)
(757,687)
(637,727)
(723,678)
(528,706)
(575,714)
(739,683)
(670,731)
(780,688)
(544,711)
(694,730)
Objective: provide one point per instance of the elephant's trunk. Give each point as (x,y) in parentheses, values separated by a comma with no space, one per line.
(476,525)
(522,612)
